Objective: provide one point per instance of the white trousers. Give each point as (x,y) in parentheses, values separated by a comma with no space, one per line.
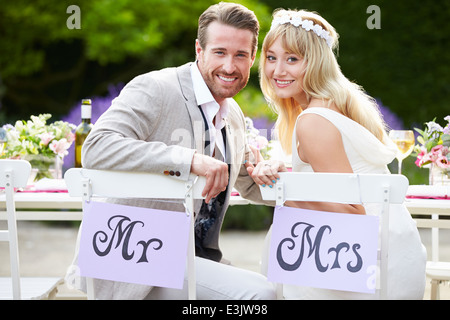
(218,281)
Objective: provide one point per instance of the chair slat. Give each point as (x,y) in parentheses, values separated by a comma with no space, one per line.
(339,187)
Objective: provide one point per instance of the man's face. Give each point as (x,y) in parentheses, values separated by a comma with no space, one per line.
(226,60)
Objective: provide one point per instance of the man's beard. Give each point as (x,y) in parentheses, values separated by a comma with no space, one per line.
(219,91)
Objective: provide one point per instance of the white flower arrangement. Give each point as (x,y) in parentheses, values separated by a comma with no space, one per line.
(255,139)
(39,143)
(35,137)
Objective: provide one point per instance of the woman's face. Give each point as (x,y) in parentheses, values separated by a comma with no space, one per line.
(285,72)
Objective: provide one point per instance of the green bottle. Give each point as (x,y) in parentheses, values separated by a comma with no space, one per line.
(83,129)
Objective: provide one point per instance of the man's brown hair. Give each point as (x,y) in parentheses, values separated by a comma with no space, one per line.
(231,14)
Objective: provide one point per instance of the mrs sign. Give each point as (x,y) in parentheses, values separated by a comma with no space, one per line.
(332,250)
(313,248)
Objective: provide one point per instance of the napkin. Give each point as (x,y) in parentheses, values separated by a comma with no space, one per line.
(49,185)
(428,192)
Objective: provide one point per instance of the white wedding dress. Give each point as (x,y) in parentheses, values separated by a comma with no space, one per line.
(407,255)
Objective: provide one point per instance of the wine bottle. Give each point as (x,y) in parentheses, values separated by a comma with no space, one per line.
(83,129)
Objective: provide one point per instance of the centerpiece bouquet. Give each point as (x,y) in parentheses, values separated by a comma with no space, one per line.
(40,143)
(255,139)
(433,148)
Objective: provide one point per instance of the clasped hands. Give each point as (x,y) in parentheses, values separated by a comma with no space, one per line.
(263,172)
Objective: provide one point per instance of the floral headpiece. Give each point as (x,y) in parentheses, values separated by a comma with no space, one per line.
(308,25)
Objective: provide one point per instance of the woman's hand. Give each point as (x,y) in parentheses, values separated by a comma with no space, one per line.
(265,173)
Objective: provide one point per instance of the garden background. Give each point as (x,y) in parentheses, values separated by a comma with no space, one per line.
(47,67)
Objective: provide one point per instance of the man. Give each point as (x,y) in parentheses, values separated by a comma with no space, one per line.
(179,121)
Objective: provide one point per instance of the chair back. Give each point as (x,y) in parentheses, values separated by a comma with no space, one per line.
(384,189)
(13,174)
(88,183)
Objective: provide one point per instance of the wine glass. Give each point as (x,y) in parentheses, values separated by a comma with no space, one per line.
(404,139)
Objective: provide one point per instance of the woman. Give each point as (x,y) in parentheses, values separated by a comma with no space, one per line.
(330,125)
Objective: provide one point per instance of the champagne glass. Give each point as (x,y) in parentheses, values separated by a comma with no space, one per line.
(404,139)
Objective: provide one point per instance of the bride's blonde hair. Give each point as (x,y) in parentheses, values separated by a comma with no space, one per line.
(323,78)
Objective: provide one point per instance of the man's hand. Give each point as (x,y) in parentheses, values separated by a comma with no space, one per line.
(215,171)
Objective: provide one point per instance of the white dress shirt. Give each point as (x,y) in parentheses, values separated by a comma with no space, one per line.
(210,109)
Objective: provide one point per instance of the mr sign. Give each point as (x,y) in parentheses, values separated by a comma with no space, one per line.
(132,244)
(323,250)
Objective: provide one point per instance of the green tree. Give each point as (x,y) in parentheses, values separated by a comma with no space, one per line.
(46,67)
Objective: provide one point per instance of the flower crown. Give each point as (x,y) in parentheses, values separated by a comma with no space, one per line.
(308,25)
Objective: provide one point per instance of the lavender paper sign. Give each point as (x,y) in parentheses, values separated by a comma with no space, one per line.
(133,244)
(324,250)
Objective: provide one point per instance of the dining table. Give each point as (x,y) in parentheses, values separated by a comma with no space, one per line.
(55,204)
(430,207)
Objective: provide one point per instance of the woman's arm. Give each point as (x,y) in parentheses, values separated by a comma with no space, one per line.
(320,144)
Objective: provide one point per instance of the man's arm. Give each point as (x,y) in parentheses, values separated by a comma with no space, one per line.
(134,134)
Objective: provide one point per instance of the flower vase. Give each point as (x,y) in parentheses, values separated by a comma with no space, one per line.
(44,167)
(438,176)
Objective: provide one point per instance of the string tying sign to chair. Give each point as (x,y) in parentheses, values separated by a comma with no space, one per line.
(324,250)
(133,244)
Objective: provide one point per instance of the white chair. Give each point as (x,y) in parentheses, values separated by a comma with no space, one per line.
(88,183)
(345,188)
(438,271)
(14,174)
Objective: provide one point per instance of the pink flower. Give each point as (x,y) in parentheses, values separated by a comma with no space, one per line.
(46,137)
(427,158)
(262,142)
(420,156)
(442,162)
(433,155)
(437,149)
(60,147)
(259,142)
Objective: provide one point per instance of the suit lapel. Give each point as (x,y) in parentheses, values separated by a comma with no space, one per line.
(229,147)
(198,126)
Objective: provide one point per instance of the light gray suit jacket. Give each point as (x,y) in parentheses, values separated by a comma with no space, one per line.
(155,125)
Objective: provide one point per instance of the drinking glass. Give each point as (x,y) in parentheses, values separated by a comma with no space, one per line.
(404,139)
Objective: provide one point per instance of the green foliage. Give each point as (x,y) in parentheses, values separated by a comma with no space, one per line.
(46,66)
(253,104)
(132,28)
(26,29)
(248,217)
(110,30)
